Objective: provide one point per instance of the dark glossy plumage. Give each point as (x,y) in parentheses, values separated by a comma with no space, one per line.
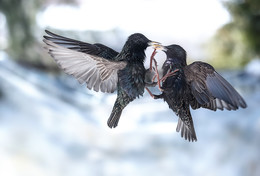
(196,85)
(102,68)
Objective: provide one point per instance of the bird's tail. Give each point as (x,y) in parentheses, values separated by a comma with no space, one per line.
(185,125)
(117,111)
(114,117)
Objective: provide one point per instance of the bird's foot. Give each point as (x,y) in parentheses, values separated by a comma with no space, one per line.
(169,74)
(157,75)
(152,59)
(150,93)
(161,89)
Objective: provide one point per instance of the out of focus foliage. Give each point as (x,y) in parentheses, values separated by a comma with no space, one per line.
(237,42)
(23,44)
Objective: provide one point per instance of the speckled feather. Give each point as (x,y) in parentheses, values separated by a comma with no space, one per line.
(131,82)
(196,85)
(102,68)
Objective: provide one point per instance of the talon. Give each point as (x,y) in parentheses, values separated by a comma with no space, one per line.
(161,89)
(163,80)
(169,74)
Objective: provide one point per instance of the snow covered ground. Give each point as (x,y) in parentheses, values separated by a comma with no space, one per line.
(52,126)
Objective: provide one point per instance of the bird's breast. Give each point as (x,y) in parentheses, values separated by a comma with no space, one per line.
(175,87)
(131,79)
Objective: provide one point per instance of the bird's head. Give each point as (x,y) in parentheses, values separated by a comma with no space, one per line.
(174,52)
(136,45)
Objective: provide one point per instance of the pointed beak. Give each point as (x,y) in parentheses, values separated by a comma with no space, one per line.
(157,46)
(160,47)
(154,44)
(163,48)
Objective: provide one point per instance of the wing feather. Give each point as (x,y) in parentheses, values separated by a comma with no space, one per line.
(99,73)
(96,49)
(211,90)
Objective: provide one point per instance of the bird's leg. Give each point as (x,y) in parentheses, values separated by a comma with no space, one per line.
(150,93)
(154,77)
(169,74)
(157,75)
(152,58)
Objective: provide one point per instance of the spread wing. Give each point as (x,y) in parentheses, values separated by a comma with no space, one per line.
(96,49)
(211,90)
(89,67)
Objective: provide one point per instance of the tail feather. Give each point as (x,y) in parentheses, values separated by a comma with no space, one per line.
(121,102)
(114,117)
(187,132)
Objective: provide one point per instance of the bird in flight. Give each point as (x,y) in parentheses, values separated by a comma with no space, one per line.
(104,69)
(196,85)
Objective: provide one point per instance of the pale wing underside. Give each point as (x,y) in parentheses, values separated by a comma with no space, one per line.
(98,73)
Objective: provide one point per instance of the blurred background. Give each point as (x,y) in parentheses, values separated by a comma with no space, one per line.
(50,125)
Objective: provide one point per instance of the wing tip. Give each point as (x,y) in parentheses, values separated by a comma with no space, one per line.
(232,99)
(50,33)
(47,31)
(242,103)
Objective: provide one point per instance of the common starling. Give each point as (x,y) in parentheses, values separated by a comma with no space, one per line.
(102,68)
(196,85)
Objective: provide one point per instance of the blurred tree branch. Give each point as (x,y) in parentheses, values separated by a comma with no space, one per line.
(236,43)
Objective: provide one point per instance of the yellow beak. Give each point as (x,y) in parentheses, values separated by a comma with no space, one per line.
(155,45)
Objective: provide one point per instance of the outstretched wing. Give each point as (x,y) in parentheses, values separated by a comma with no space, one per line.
(96,49)
(211,90)
(98,72)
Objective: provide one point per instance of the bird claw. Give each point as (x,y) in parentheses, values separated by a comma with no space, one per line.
(155,68)
(169,74)
(150,93)
(161,89)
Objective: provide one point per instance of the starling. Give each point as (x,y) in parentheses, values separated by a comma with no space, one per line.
(196,85)
(102,68)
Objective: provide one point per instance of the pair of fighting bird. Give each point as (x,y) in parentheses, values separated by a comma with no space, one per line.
(104,69)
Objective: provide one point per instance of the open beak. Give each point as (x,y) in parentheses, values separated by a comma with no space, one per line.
(157,46)
(161,47)
(154,44)
(164,48)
